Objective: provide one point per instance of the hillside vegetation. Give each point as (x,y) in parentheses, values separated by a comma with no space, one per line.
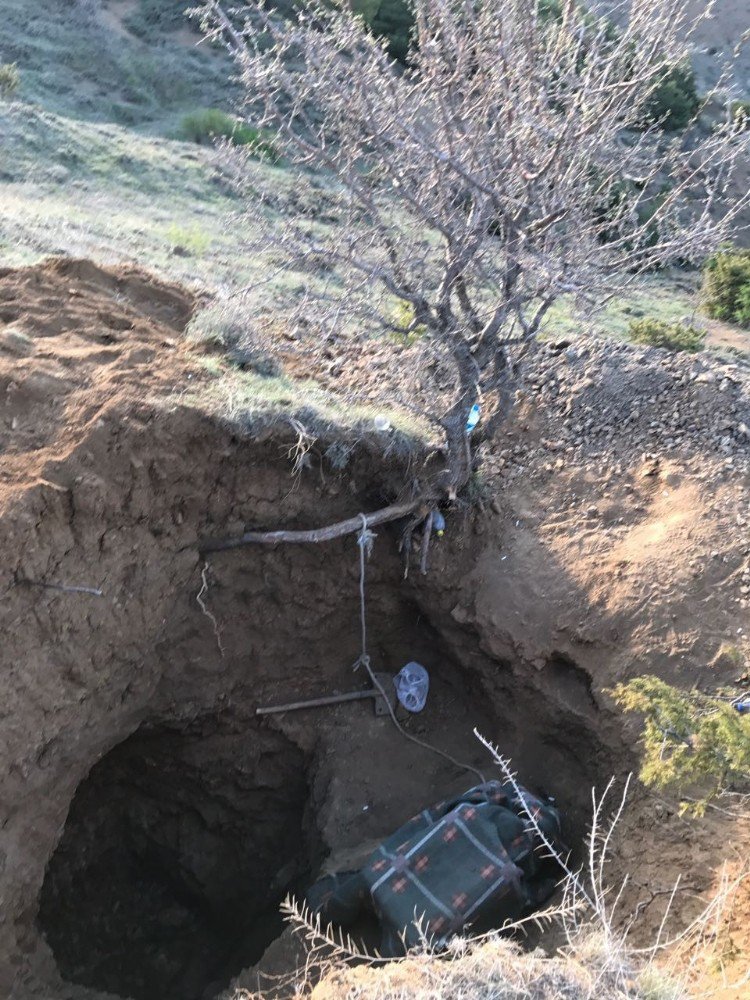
(133,63)
(93,161)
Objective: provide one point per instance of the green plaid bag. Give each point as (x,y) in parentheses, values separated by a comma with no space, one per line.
(463,861)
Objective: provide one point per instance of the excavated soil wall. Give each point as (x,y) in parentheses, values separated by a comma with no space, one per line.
(150,823)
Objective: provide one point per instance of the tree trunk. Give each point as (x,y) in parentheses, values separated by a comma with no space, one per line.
(458,447)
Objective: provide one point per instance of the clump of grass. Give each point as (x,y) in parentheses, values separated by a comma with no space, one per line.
(10,80)
(478,490)
(225,323)
(729,657)
(403,321)
(207,125)
(190,238)
(670,336)
(151,79)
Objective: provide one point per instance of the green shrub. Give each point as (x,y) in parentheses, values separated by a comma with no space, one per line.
(403,320)
(551,10)
(191,239)
(741,114)
(153,81)
(10,80)
(690,741)
(672,336)
(742,312)
(209,124)
(151,16)
(394,20)
(675,101)
(726,286)
(367,9)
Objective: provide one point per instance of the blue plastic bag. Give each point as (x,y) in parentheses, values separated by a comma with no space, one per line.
(412,683)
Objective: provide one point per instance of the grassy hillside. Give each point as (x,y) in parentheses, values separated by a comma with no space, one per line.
(101,190)
(135,62)
(91,163)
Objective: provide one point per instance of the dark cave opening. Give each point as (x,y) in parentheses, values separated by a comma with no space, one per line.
(178,848)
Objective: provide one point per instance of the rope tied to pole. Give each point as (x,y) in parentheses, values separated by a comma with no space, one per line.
(365,541)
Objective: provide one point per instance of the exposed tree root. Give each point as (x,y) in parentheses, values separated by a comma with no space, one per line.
(348,527)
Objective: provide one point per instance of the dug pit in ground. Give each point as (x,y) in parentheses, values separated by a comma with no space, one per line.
(134,769)
(177,850)
(138,769)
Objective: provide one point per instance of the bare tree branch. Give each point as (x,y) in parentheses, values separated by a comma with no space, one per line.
(506,164)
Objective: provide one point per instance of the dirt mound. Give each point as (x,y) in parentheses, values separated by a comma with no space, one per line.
(73,338)
(138,788)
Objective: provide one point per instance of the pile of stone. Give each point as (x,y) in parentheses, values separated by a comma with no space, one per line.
(599,398)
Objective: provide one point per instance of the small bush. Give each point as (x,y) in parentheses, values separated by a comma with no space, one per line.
(154,80)
(192,240)
(726,286)
(741,114)
(690,740)
(550,10)
(742,312)
(403,320)
(209,124)
(10,80)
(675,101)
(394,20)
(671,336)
(225,323)
(151,16)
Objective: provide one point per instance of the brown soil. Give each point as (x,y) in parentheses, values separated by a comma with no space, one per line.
(149,824)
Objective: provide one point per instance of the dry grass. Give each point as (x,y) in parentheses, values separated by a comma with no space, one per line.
(493,968)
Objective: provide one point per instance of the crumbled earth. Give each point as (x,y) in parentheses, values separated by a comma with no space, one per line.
(593,400)
(608,538)
(610,401)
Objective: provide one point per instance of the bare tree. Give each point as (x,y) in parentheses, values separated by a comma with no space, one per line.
(508,163)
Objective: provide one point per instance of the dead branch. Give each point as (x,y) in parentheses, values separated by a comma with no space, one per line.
(64,588)
(348,527)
